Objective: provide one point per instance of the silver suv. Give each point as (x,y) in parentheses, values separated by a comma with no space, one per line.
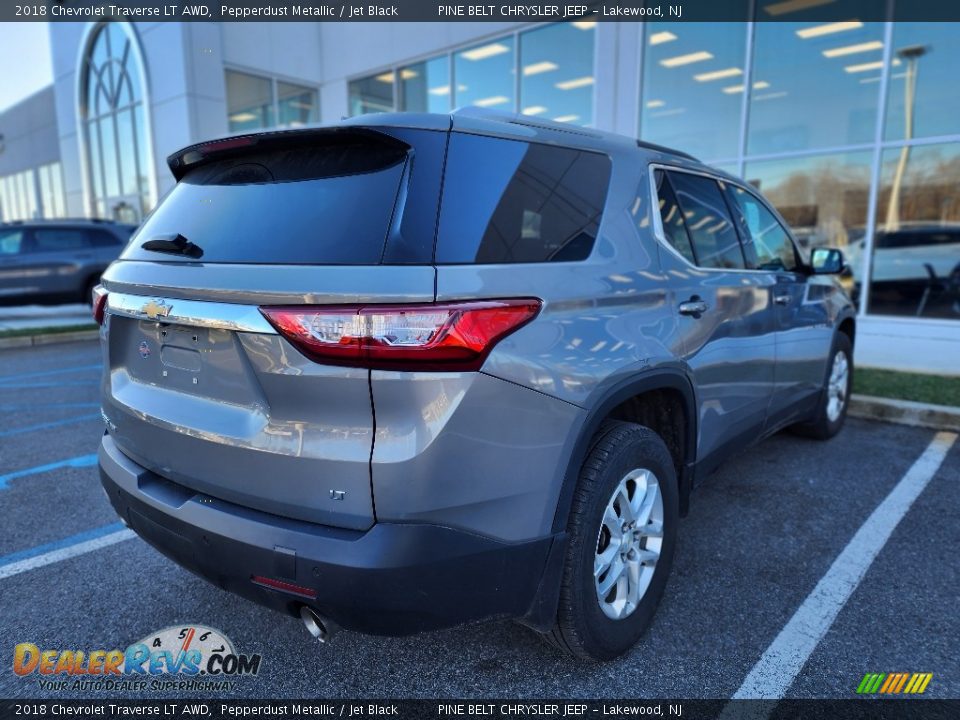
(417,370)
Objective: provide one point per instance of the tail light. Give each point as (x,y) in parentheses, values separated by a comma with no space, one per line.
(98,303)
(454,336)
(284,586)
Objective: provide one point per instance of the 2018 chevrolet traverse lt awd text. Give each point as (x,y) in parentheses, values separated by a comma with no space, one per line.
(416,370)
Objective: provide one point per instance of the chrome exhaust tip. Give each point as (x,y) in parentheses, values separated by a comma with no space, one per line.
(316,624)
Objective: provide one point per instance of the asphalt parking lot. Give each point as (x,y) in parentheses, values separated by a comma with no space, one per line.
(761,534)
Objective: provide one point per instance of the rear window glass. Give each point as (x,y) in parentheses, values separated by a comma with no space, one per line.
(329,201)
(507,201)
(60,239)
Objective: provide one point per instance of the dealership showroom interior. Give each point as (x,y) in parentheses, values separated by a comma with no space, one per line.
(412,359)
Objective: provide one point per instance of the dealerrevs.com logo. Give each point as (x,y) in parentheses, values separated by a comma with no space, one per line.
(184,657)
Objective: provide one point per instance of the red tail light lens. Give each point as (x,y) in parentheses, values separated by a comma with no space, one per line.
(99,304)
(454,336)
(284,586)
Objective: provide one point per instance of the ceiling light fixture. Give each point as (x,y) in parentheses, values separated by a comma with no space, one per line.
(485,51)
(575,83)
(539,67)
(686,59)
(853,49)
(828,29)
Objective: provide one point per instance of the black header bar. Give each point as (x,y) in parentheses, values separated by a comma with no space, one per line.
(481,709)
(478,11)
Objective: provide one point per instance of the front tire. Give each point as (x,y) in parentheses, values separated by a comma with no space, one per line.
(622,533)
(831,410)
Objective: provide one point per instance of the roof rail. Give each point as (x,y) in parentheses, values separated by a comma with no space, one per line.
(512,118)
(664,149)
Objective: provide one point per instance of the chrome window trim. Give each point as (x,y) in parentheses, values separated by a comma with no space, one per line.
(661,237)
(195,313)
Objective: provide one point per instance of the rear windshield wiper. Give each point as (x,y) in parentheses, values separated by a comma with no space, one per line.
(175,244)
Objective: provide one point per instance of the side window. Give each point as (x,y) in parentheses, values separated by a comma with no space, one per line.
(58,239)
(507,201)
(714,238)
(772,247)
(11,242)
(102,238)
(671,217)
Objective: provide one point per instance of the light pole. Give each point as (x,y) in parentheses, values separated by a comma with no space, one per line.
(911,55)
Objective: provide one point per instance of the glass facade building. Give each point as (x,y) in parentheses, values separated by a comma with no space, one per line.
(850,128)
(547,72)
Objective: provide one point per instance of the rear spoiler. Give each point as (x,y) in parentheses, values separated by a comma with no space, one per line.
(194,156)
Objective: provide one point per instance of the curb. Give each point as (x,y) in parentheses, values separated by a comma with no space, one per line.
(48,338)
(905,412)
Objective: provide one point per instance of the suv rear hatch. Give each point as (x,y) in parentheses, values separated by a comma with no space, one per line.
(199,387)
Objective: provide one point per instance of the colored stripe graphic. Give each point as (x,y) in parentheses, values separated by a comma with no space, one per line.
(894,683)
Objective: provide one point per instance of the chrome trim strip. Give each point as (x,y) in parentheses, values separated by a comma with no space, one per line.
(196,313)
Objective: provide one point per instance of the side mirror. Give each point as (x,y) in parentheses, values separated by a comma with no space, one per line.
(826,261)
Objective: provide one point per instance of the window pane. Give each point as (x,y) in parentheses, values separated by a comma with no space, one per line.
(96,157)
(249,102)
(484,75)
(823,199)
(143,164)
(10,241)
(708,221)
(506,201)
(556,73)
(672,218)
(52,240)
(371,95)
(692,86)
(296,105)
(916,255)
(815,83)
(128,163)
(56,172)
(43,173)
(111,167)
(770,245)
(425,87)
(930,55)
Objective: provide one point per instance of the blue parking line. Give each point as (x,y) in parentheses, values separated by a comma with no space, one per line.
(13,407)
(47,425)
(44,373)
(81,461)
(60,544)
(22,386)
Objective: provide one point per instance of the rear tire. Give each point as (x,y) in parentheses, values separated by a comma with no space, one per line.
(627,477)
(831,410)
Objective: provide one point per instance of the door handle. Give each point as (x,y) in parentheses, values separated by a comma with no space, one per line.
(694,306)
(781,299)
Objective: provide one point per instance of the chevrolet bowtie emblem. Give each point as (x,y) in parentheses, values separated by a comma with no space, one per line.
(154,309)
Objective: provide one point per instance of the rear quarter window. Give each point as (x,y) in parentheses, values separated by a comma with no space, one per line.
(508,201)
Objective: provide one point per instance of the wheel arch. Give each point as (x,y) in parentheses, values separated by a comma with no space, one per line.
(612,404)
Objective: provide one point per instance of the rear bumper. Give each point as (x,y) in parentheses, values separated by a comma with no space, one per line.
(392,579)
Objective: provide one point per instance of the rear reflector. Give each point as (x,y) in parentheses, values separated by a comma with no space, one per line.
(451,336)
(283,586)
(98,303)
